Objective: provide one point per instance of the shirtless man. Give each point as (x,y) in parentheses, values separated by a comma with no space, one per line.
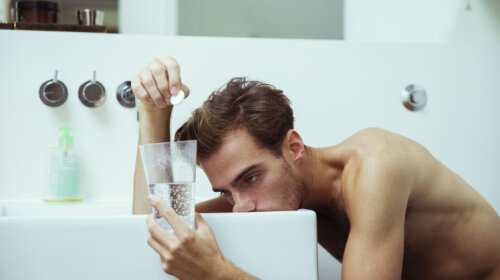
(386,208)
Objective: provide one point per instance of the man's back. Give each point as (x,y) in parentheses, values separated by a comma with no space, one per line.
(450,231)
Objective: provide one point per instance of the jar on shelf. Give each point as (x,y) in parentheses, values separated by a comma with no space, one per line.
(38,12)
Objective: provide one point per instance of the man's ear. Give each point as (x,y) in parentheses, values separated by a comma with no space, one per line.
(293,145)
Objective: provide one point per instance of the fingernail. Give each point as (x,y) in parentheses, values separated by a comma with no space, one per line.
(150,197)
(174,90)
(162,104)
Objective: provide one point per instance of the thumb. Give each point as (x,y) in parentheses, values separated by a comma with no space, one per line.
(185,89)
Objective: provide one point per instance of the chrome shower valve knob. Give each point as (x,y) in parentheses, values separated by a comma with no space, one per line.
(125,96)
(53,92)
(414,97)
(92,93)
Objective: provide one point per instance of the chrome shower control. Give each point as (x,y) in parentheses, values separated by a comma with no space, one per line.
(92,93)
(414,97)
(53,92)
(125,96)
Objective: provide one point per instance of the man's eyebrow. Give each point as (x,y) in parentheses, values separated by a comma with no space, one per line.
(245,172)
(241,175)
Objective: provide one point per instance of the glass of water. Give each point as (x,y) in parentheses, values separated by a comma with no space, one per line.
(170,169)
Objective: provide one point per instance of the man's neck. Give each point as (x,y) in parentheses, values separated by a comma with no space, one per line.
(322,174)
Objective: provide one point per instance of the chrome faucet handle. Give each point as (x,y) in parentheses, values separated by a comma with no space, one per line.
(125,95)
(53,92)
(92,93)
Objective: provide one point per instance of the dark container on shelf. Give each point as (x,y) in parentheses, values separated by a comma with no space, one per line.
(38,12)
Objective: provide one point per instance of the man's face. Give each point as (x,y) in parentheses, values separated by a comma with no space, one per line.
(252,178)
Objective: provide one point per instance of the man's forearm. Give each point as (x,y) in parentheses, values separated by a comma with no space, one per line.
(230,272)
(154,127)
(215,205)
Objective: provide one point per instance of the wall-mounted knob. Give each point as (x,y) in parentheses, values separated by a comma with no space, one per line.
(125,96)
(92,93)
(414,97)
(53,92)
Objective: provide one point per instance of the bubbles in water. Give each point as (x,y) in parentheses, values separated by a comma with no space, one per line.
(180,196)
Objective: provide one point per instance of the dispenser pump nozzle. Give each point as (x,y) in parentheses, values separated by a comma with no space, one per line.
(65,140)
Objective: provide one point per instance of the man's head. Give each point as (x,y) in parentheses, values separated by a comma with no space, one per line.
(256,107)
(243,131)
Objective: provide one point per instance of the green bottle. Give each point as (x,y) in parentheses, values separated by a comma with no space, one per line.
(64,171)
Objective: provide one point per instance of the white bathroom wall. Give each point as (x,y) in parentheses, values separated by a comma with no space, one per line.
(336,88)
(422,20)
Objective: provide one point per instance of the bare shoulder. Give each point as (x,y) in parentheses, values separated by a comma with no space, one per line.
(382,163)
(377,144)
(388,164)
(379,136)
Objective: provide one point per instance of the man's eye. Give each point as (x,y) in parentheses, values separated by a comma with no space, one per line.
(251,179)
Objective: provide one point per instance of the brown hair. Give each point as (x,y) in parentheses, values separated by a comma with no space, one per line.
(260,108)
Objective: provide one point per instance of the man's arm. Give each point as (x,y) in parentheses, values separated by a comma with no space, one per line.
(153,86)
(376,195)
(154,127)
(215,205)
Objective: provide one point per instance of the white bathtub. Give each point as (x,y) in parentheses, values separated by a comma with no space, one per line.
(96,240)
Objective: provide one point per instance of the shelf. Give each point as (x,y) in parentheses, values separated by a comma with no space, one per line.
(54,27)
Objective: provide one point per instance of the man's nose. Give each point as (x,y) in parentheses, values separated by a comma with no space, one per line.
(242,203)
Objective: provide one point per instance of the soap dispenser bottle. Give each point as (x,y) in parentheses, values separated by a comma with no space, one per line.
(64,171)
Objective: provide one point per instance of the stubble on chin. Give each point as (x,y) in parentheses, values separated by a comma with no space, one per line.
(292,189)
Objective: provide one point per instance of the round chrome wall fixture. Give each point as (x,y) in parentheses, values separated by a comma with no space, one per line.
(53,92)
(92,93)
(414,97)
(125,95)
